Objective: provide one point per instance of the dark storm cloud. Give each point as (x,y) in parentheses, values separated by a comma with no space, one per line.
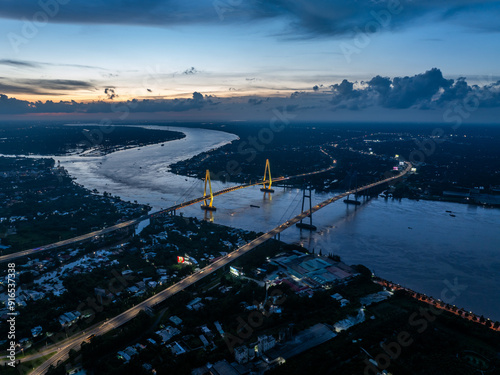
(304,18)
(344,96)
(15,106)
(408,91)
(296,94)
(425,91)
(110,93)
(382,85)
(255,101)
(428,90)
(488,96)
(457,91)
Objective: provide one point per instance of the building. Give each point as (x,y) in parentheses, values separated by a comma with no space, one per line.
(265,343)
(36,331)
(195,304)
(167,333)
(69,318)
(305,271)
(243,354)
(176,320)
(177,349)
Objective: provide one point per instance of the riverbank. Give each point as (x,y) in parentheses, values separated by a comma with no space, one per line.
(79,139)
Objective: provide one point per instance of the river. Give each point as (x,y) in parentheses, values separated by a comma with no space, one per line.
(414,243)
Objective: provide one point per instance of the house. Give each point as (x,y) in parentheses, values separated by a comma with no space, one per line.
(124,356)
(69,318)
(207,331)
(243,354)
(204,340)
(195,304)
(265,343)
(219,328)
(176,320)
(36,331)
(167,333)
(177,349)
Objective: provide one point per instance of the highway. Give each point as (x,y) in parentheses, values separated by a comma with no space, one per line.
(89,236)
(75,341)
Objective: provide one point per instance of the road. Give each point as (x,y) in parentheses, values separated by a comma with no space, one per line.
(75,341)
(89,236)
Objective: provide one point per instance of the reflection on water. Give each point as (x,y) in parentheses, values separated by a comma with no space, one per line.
(416,244)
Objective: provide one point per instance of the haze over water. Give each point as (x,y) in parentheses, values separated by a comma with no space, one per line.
(414,243)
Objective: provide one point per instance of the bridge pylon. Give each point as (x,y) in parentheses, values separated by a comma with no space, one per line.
(355,200)
(267,172)
(302,225)
(208,206)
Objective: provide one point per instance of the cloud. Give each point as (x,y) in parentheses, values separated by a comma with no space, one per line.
(410,95)
(408,91)
(56,84)
(13,106)
(302,18)
(20,89)
(19,63)
(255,101)
(419,91)
(197,96)
(457,91)
(16,106)
(110,92)
(41,86)
(488,96)
(39,64)
(344,96)
(190,71)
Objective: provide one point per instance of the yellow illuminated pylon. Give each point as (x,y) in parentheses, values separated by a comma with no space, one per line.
(209,206)
(267,171)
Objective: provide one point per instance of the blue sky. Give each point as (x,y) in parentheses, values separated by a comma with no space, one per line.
(233,50)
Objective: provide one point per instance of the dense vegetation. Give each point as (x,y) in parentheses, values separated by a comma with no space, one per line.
(40,203)
(60,140)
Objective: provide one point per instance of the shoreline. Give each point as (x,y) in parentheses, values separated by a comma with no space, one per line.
(437,303)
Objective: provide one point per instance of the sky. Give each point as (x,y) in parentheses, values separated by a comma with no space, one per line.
(237,60)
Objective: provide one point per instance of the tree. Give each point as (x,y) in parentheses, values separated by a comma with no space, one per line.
(26,278)
(363,270)
(59,370)
(72,355)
